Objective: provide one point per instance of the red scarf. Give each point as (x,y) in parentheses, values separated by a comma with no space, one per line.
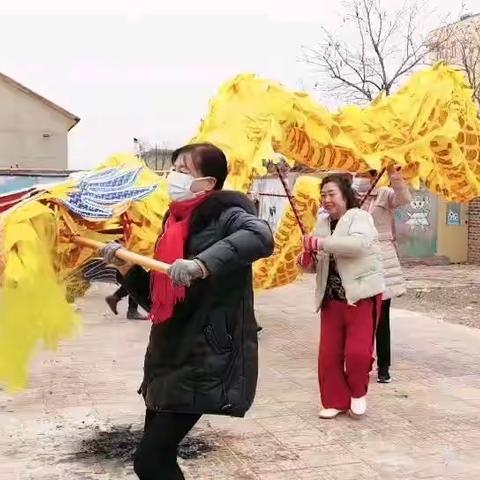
(171,247)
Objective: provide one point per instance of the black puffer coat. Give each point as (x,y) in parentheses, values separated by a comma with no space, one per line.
(205,359)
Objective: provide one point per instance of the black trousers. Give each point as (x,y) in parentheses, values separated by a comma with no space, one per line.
(156,455)
(132,304)
(383,336)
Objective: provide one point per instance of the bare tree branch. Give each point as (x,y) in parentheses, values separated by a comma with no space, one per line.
(389,46)
(368,5)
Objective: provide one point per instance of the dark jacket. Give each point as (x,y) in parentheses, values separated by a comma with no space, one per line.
(205,359)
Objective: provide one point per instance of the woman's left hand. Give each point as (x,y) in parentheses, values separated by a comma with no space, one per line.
(394,170)
(306,261)
(183,272)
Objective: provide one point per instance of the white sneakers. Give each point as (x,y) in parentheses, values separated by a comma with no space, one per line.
(358,407)
(328,413)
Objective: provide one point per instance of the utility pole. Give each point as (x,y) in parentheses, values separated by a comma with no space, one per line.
(136,147)
(164,153)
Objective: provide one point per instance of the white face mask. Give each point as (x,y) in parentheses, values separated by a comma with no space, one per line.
(179,186)
(361,184)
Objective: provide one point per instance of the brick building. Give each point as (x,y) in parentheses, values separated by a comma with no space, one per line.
(474,232)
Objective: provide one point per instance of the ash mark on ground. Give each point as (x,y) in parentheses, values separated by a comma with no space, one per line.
(120,442)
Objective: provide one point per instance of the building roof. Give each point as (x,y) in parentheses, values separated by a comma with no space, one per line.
(464,18)
(13,83)
(469,16)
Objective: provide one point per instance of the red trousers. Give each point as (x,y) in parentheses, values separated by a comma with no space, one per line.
(346,350)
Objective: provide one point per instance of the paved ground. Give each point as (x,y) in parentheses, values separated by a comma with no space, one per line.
(81,409)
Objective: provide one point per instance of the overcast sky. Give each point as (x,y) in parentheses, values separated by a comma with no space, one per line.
(140,69)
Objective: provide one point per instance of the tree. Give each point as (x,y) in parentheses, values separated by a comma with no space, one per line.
(459,44)
(387,46)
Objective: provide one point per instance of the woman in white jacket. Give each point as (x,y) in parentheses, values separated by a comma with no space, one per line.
(343,252)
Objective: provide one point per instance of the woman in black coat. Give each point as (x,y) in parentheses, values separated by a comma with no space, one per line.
(202,354)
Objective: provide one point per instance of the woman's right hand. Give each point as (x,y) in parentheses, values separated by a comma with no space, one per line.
(312,244)
(109,254)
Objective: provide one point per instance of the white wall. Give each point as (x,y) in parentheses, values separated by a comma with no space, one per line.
(23,122)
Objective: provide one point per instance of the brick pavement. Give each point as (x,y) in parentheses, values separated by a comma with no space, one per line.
(425,425)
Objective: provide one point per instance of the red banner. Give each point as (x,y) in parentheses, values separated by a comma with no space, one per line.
(10,199)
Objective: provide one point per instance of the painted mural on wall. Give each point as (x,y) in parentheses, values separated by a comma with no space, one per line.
(14,183)
(17,188)
(270,207)
(416,226)
(454,214)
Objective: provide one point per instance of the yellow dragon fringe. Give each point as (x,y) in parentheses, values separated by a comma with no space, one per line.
(430,127)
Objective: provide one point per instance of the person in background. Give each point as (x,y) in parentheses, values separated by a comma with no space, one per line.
(381,203)
(202,357)
(256,202)
(343,252)
(97,271)
(118,296)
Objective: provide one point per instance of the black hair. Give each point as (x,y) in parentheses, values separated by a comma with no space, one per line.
(208,159)
(344,183)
